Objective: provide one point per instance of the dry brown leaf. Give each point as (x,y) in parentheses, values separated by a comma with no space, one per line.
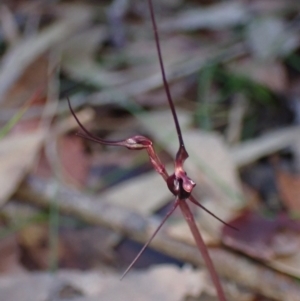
(88,248)
(167,283)
(270,37)
(9,25)
(178,48)
(289,190)
(177,68)
(218,16)
(73,159)
(158,97)
(273,7)
(76,249)
(181,231)
(289,265)
(74,162)
(34,241)
(144,194)
(10,256)
(17,154)
(161,283)
(78,59)
(269,143)
(34,78)
(259,71)
(17,59)
(274,241)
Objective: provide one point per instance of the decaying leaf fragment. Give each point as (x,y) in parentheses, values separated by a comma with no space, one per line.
(17,154)
(275,241)
(160,283)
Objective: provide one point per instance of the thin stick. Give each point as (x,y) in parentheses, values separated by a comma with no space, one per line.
(202,247)
(150,239)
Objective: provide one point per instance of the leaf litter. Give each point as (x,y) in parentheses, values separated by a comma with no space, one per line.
(17,155)
(89,58)
(159,283)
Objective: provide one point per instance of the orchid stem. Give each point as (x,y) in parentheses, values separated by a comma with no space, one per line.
(186,211)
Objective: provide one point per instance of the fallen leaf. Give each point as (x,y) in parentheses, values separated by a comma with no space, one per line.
(254,149)
(289,265)
(158,97)
(260,237)
(10,30)
(180,230)
(27,50)
(289,190)
(160,283)
(15,120)
(17,155)
(275,241)
(167,283)
(88,248)
(269,37)
(144,194)
(218,16)
(10,256)
(271,7)
(78,59)
(34,241)
(29,85)
(74,161)
(259,71)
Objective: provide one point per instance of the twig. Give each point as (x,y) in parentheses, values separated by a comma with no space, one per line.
(230,265)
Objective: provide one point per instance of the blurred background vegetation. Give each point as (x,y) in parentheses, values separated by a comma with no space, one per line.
(67,203)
